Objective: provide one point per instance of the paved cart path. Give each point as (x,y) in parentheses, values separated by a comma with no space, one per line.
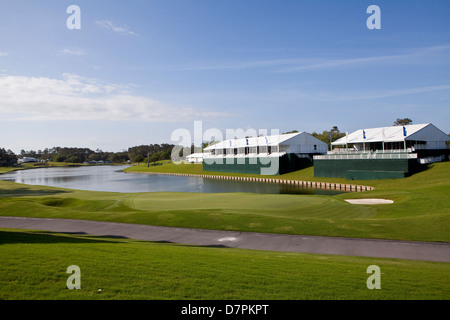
(413,250)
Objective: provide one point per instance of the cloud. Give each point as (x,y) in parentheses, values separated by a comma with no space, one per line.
(110,26)
(3,54)
(73,51)
(390,93)
(244,65)
(369,95)
(77,98)
(413,56)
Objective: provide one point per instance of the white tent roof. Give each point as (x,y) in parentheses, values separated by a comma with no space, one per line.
(195,155)
(421,132)
(254,141)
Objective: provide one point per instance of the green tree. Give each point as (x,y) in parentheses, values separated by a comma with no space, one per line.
(137,159)
(59,158)
(154,157)
(73,159)
(325,135)
(402,122)
(148,150)
(94,157)
(7,158)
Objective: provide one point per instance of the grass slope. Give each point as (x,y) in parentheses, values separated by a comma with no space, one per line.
(420,211)
(34,263)
(34,266)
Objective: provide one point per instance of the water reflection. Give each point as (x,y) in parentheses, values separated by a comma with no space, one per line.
(111,178)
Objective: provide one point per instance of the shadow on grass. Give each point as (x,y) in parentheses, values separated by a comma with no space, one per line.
(30,237)
(113,236)
(24,192)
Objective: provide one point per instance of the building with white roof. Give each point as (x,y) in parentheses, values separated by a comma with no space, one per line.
(27,160)
(275,154)
(414,136)
(195,158)
(384,152)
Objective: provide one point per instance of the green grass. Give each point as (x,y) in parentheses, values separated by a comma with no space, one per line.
(34,266)
(167,167)
(420,211)
(6,169)
(21,167)
(34,165)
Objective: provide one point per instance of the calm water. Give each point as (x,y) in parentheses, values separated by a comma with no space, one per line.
(110,178)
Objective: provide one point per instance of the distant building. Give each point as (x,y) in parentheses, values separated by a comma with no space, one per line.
(27,160)
(97,162)
(383,153)
(195,158)
(266,155)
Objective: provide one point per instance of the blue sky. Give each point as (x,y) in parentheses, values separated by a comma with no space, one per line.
(138,70)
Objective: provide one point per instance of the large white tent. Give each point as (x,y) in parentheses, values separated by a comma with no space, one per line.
(195,158)
(281,153)
(275,145)
(383,153)
(416,136)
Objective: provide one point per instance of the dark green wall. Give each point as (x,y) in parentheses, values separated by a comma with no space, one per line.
(362,168)
(374,175)
(242,165)
(286,163)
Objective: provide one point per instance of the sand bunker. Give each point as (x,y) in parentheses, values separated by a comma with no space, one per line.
(369,201)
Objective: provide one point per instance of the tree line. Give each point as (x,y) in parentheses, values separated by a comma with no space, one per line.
(150,153)
(7,158)
(153,152)
(137,154)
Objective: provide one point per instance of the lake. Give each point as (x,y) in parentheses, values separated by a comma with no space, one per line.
(111,178)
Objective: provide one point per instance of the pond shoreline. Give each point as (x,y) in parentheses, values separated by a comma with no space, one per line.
(306,184)
(110,179)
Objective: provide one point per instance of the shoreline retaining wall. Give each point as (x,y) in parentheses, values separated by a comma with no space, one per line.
(308,184)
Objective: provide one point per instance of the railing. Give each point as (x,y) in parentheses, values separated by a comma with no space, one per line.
(242,155)
(367,155)
(353,151)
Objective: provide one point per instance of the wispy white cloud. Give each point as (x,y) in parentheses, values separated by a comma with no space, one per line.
(73,51)
(3,54)
(109,25)
(304,64)
(244,65)
(413,56)
(389,93)
(362,95)
(77,98)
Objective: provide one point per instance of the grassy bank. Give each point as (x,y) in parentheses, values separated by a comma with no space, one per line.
(7,169)
(34,267)
(34,263)
(420,211)
(35,165)
(170,167)
(50,164)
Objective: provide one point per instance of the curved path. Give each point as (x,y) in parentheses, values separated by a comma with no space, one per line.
(413,250)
